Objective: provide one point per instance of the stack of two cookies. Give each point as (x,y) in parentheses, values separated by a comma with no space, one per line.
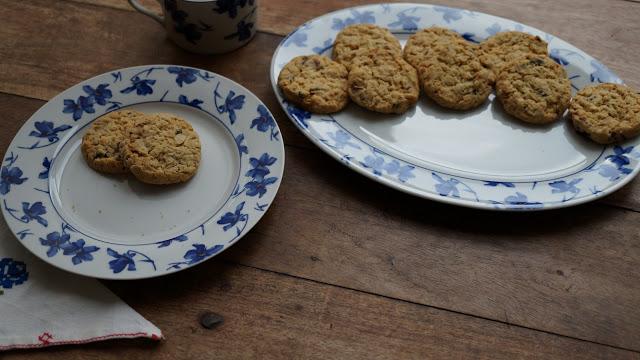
(155,148)
(368,69)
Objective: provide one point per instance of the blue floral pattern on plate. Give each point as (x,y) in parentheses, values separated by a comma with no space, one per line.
(12,273)
(615,166)
(25,173)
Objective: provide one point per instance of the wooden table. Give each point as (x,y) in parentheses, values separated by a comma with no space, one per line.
(361,271)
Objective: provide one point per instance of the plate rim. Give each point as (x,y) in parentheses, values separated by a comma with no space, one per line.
(411,190)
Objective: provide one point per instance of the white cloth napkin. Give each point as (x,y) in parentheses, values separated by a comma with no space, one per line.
(43,306)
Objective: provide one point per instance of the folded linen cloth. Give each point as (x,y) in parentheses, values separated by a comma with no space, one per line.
(42,306)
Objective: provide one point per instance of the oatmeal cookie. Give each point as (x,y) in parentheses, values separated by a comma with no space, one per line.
(383,82)
(357,39)
(102,142)
(507,46)
(161,149)
(419,45)
(453,76)
(316,83)
(534,88)
(607,113)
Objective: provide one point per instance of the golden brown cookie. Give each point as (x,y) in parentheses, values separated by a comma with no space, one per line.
(357,39)
(507,46)
(453,76)
(534,88)
(316,83)
(608,113)
(102,142)
(161,149)
(383,82)
(419,45)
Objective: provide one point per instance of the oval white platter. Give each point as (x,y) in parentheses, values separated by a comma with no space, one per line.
(481,158)
(115,227)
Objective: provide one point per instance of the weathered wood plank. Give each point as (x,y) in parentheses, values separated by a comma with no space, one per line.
(272,316)
(571,272)
(40,67)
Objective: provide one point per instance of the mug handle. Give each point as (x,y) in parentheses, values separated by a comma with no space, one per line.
(136,5)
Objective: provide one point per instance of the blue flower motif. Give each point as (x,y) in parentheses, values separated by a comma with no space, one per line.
(54,241)
(555,55)
(601,73)
(100,94)
(259,186)
(341,139)
(519,199)
(10,176)
(141,86)
(298,38)
(231,104)
(230,219)
(194,103)
(184,75)
(498,183)
(613,172)
(356,18)
(404,172)
(408,22)
(449,14)
(83,104)
(190,31)
(231,6)
(298,114)
(260,167)
(264,121)
(493,29)
(12,272)
(46,164)
(243,31)
(166,243)
(446,187)
(200,252)
(34,212)
(561,186)
(121,261)
(325,46)
(79,251)
(375,163)
(45,129)
(471,38)
(241,148)
(620,157)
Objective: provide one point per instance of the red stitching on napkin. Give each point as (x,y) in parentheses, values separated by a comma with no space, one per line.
(45,338)
(48,342)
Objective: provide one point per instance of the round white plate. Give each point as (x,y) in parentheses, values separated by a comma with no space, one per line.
(115,227)
(481,158)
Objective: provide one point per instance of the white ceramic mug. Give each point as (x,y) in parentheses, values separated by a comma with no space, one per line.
(206,26)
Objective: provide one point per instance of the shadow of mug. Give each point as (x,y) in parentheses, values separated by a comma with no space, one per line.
(206,26)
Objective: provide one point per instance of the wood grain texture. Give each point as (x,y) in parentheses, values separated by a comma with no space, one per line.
(272,316)
(40,67)
(571,272)
(615,43)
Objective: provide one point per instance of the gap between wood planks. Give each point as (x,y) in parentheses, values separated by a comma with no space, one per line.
(430,306)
